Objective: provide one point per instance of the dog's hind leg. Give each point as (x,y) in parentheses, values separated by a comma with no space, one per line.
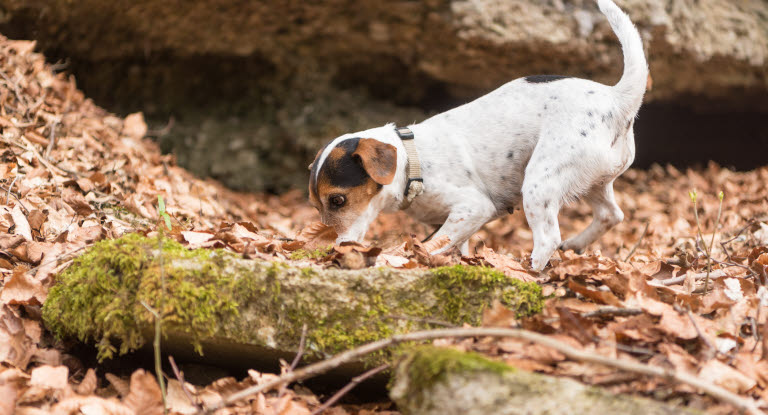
(542,200)
(605,214)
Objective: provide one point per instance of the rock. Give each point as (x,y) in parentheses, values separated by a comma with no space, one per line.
(248,312)
(255,88)
(442,381)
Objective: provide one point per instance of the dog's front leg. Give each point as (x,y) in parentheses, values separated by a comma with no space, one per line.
(464,220)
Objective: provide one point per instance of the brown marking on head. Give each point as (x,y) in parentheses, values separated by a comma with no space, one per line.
(349,177)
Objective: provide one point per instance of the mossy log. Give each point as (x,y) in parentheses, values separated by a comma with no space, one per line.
(443,381)
(247,311)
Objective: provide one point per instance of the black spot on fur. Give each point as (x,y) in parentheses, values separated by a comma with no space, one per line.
(583,133)
(346,171)
(469,173)
(590,92)
(589,113)
(546,205)
(553,97)
(545,106)
(538,79)
(591,126)
(615,138)
(510,155)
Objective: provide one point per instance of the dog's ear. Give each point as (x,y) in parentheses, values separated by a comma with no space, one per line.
(316,157)
(379,159)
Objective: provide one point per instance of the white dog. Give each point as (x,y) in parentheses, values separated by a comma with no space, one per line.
(539,141)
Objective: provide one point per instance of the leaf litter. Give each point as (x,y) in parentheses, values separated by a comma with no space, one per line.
(72,174)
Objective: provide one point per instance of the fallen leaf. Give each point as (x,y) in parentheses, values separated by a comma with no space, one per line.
(76,201)
(317,235)
(21,226)
(134,125)
(720,374)
(22,288)
(50,377)
(89,383)
(144,396)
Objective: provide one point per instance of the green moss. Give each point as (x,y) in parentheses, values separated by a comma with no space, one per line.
(99,298)
(464,292)
(215,294)
(313,254)
(428,365)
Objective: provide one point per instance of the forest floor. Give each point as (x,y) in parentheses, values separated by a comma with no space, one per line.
(73,174)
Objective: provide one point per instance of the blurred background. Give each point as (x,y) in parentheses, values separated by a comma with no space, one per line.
(247,91)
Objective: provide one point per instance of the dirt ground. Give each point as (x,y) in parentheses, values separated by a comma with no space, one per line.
(73,174)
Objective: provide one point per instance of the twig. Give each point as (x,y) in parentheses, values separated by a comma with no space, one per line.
(642,235)
(701,336)
(180,378)
(351,385)
(712,242)
(8,192)
(613,311)
(696,277)
(300,352)
(314,369)
(55,170)
(421,320)
(51,140)
(297,358)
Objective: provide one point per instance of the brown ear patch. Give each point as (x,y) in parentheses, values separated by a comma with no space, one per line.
(379,159)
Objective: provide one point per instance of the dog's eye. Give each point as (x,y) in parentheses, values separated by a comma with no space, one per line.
(337,200)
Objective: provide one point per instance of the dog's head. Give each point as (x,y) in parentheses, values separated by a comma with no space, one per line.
(346,181)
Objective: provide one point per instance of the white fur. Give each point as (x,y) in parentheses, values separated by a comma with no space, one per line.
(536,144)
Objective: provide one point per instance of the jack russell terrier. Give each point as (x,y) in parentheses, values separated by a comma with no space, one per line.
(540,141)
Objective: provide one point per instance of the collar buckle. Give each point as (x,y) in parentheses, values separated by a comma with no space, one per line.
(414,186)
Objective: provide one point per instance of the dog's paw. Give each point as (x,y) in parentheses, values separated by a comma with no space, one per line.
(565,246)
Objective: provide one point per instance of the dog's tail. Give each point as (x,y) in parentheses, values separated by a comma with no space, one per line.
(632,84)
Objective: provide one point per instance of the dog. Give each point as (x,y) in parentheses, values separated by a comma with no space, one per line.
(540,141)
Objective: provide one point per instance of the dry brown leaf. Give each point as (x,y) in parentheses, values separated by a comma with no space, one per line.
(22,288)
(134,126)
(50,377)
(89,383)
(21,226)
(507,265)
(144,396)
(723,375)
(317,235)
(196,238)
(76,201)
(7,398)
(122,387)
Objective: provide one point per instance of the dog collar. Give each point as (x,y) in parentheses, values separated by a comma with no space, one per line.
(415,184)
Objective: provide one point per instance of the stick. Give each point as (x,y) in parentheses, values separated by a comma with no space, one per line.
(296,358)
(642,235)
(351,385)
(613,311)
(8,192)
(706,341)
(678,280)
(314,369)
(180,378)
(300,352)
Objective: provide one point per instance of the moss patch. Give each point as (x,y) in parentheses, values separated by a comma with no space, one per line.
(216,295)
(464,292)
(312,254)
(428,365)
(99,298)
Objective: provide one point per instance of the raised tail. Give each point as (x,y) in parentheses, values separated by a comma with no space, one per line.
(632,84)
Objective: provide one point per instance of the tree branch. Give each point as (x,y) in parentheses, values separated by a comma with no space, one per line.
(314,369)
